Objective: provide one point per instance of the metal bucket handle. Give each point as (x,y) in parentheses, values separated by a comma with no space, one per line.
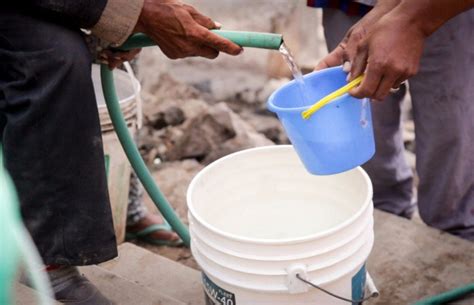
(136,90)
(369,285)
(297,283)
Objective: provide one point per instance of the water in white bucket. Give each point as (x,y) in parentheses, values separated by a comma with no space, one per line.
(257,218)
(291,216)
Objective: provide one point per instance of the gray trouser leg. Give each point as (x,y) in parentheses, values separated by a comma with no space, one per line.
(391,176)
(443,104)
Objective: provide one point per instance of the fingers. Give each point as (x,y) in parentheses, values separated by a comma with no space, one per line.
(353,43)
(397,84)
(186,51)
(385,87)
(220,44)
(207,52)
(359,63)
(335,58)
(370,83)
(377,85)
(346,67)
(116,58)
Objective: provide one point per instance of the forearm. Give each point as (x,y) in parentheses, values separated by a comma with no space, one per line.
(380,9)
(384,6)
(429,15)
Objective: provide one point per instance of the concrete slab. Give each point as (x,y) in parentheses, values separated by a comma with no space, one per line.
(123,291)
(27,296)
(158,274)
(411,261)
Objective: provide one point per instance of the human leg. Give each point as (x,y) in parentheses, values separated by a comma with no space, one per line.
(443,105)
(52,141)
(391,176)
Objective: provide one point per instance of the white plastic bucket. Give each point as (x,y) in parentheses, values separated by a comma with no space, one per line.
(119,169)
(257,218)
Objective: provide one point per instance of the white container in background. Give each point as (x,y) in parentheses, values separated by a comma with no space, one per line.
(119,168)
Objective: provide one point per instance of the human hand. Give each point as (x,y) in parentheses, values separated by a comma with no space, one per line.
(181,31)
(115,58)
(345,52)
(389,55)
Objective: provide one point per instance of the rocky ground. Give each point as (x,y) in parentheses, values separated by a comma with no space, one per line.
(196,110)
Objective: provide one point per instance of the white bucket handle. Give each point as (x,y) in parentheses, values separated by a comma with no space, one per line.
(136,89)
(370,285)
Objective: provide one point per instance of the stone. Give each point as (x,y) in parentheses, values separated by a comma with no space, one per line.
(268,125)
(213,134)
(172,116)
(170,102)
(270,86)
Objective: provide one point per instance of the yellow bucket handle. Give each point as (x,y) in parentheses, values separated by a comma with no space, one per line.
(328,98)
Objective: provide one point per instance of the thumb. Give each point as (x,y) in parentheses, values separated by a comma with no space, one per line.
(335,58)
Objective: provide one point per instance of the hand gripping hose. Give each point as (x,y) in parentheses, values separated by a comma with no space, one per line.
(244,39)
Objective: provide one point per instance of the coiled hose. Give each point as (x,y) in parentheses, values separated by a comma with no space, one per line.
(448,296)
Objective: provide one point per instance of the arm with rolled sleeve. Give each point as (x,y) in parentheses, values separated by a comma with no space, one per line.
(117,21)
(176,27)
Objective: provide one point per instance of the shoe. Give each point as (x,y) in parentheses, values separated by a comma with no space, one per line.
(144,235)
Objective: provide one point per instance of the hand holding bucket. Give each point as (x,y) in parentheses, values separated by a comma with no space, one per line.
(333,139)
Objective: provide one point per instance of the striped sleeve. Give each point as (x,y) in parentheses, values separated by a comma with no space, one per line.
(350,7)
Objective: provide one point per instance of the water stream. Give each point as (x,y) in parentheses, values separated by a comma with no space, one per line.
(297,75)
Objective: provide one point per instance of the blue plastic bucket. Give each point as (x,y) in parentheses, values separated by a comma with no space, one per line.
(338,137)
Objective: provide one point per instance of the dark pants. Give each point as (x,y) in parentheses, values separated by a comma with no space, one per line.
(51,138)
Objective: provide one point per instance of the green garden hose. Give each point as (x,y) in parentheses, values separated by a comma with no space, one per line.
(17,246)
(244,39)
(133,155)
(448,296)
(9,219)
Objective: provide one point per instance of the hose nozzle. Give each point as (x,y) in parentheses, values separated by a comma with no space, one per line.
(244,39)
(253,39)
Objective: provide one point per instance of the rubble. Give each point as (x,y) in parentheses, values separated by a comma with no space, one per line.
(217,132)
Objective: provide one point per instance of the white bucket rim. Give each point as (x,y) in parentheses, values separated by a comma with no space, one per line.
(318,252)
(135,83)
(324,233)
(327,281)
(313,267)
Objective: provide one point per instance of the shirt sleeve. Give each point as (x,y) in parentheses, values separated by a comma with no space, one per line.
(118,20)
